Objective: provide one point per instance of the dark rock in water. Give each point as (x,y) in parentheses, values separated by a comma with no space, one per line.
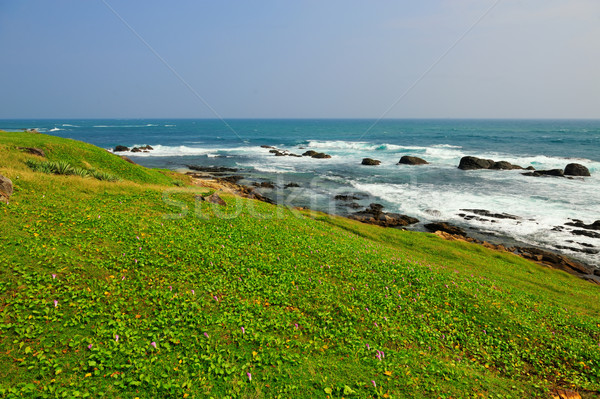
(136,149)
(309,153)
(120,148)
(266,146)
(408,160)
(445,227)
(294,155)
(530,168)
(6,189)
(280,154)
(33,151)
(264,184)
(321,155)
(504,165)
(214,199)
(274,151)
(146,147)
(575,169)
(127,159)
(551,172)
(231,179)
(374,215)
(588,251)
(483,212)
(346,197)
(370,161)
(472,163)
(290,185)
(352,205)
(586,233)
(555,260)
(211,169)
(581,225)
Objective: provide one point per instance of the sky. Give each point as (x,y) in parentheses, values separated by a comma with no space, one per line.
(302,59)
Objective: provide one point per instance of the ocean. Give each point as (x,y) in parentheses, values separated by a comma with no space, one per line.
(435,192)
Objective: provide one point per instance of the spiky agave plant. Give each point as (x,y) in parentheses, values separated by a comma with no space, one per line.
(62,168)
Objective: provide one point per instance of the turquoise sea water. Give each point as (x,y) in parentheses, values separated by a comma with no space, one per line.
(432,192)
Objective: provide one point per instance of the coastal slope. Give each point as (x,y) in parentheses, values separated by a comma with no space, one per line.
(139,288)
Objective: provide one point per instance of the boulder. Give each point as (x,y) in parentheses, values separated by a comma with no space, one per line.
(6,189)
(575,169)
(408,160)
(321,155)
(120,148)
(346,197)
(214,199)
(267,146)
(472,163)
(483,212)
(504,165)
(555,260)
(446,227)
(147,147)
(370,161)
(290,185)
(264,184)
(310,153)
(582,225)
(136,149)
(33,151)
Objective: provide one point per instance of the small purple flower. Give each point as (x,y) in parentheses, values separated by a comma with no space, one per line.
(375,324)
(90,346)
(215,298)
(116,338)
(193,292)
(485,332)
(122,278)
(138,237)
(368,347)
(54,276)
(367,309)
(55,303)
(243,331)
(153,344)
(374,385)
(135,260)
(170,288)
(296,326)
(249,376)
(378,355)
(206,334)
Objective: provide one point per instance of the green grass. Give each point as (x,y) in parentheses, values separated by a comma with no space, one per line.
(317,297)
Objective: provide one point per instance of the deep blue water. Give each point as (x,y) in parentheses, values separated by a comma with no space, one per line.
(432,192)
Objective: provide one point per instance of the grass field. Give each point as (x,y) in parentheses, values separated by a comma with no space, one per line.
(135,288)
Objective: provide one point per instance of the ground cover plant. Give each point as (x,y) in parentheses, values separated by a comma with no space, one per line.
(135,288)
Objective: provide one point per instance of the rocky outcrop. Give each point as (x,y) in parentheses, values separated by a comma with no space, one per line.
(575,169)
(374,215)
(580,224)
(212,169)
(264,184)
(554,260)
(315,154)
(370,162)
(120,148)
(408,160)
(347,197)
(33,151)
(291,185)
(6,189)
(446,228)
(483,212)
(474,163)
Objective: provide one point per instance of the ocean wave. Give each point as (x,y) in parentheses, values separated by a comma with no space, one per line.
(121,126)
(354,145)
(55,129)
(67,125)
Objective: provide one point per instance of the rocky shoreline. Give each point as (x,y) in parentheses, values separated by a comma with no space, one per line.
(227,180)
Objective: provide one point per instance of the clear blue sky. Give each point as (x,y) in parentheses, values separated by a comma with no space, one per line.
(280,59)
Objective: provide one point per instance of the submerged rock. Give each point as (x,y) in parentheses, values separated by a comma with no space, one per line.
(409,160)
(291,185)
(550,172)
(582,225)
(575,169)
(483,212)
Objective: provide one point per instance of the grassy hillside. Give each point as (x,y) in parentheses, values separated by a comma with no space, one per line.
(135,289)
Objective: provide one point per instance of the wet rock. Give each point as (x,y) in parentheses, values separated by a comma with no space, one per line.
(136,149)
(374,215)
(291,185)
(551,172)
(120,148)
(33,151)
(473,163)
(446,228)
(586,233)
(146,147)
(504,165)
(309,153)
(267,146)
(6,189)
(321,155)
(409,160)
(346,197)
(483,212)
(211,169)
(370,161)
(264,184)
(231,179)
(575,169)
(352,205)
(580,224)
(530,168)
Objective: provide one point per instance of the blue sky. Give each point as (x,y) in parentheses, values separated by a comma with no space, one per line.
(304,59)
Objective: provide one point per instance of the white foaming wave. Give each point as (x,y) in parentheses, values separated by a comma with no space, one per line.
(182,150)
(354,145)
(120,126)
(55,129)
(261,167)
(533,227)
(67,125)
